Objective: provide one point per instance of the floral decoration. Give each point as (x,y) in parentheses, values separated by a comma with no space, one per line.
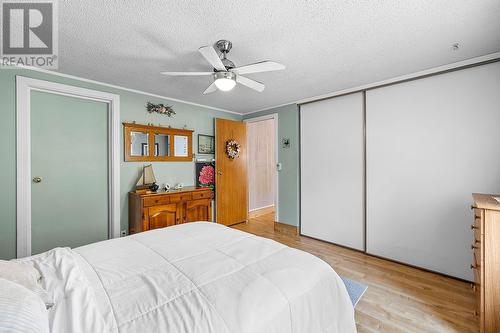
(207,176)
(160,108)
(232,149)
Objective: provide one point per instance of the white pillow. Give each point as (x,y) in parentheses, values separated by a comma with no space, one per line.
(21,310)
(25,275)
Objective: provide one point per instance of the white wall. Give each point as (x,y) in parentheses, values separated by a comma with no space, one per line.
(261,163)
(431,143)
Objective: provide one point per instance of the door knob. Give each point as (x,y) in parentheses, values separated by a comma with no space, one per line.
(37,180)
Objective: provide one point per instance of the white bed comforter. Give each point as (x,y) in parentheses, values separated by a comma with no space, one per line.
(195,277)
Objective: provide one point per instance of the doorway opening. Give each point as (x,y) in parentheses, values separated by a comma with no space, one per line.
(263,190)
(49,148)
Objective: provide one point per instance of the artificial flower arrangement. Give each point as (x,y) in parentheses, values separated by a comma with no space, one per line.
(160,108)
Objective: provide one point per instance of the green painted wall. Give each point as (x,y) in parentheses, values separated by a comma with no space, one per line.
(200,119)
(288,127)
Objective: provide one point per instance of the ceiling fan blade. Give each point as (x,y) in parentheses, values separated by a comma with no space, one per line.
(263,66)
(211,88)
(187,73)
(212,57)
(250,83)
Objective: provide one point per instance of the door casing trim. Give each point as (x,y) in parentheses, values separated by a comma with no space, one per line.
(24,87)
(273,116)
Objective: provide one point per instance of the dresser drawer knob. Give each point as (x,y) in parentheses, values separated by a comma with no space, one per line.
(473,247)
(473,227)
(474,266)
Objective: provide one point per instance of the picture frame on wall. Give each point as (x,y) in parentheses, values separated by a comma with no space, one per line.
(206,144)
(205,175)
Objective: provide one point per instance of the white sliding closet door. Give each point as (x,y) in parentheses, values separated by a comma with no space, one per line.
(431,143)
(332,170)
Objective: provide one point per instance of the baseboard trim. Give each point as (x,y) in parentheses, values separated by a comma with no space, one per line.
(261,211)
(286,228)
(391,260)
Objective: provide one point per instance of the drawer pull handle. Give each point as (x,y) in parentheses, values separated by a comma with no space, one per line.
(477,217)
(473,247)
(473,227)
(474,266)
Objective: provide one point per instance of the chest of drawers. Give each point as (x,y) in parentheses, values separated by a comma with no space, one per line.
(163,209)
(486,261)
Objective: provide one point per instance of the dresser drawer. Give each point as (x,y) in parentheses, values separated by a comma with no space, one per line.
(477,294)
(202,195)
(476,258)
(180,197)
(476,236)
(477,226)
(478,219)
(476,271)
(157,200)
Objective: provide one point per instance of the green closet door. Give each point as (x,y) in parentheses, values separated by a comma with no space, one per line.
(69,153)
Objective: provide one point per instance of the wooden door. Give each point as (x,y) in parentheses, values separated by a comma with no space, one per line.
(198,210)
(231,176)
(163,216)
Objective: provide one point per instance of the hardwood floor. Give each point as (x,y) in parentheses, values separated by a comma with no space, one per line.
(399,298)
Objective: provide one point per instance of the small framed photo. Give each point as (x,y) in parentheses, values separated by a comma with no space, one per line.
(206,144)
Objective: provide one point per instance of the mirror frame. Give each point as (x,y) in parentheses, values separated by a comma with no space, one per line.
(152,130)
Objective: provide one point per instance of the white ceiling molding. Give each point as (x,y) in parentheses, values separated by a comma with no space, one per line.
(457,65)
(74,77)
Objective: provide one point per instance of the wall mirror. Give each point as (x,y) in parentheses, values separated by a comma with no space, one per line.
(138,143)
(162,144)
(154,143)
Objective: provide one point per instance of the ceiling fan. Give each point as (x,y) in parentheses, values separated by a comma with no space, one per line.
(224,73)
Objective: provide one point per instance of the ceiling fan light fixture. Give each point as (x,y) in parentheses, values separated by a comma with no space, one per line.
(225,81)
(224,72)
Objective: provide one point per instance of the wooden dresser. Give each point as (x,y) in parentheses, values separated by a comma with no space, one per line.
(486,261)
(163,209)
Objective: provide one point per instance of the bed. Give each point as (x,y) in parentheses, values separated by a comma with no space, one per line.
(194,277)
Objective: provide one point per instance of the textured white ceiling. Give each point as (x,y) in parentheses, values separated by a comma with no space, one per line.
(325,45)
